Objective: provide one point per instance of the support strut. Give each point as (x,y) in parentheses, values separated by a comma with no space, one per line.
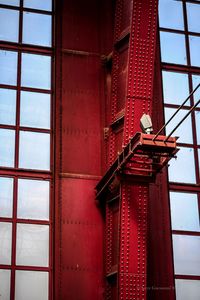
(141,159)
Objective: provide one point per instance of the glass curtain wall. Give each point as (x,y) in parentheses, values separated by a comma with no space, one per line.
(25,149)
(179,23)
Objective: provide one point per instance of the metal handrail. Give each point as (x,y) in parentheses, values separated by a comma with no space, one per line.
(176,113)
(189,112)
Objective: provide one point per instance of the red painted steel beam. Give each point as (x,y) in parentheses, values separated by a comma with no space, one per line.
(135,197)
(135,28)
(143,38)
(133,239)
(83,36)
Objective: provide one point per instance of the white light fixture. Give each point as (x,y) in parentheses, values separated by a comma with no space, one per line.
(146,124)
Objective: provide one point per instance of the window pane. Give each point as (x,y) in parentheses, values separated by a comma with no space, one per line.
(34,150)
(6,242)
(35,110)
(32,245)
(186,254)
(7,107)
(173,48)
(36,71)
(187,204)
(38,4)
(182,169)
(10,2)
(193,15)
(184,132)
(171,14)
(36,29)
(175,87)
(6,197)
(187,289)
(33,199)
(195,82)
(194,50)
(7,147)
(197,118)
(31,285)
(8,67)
(9,25)
(5,284)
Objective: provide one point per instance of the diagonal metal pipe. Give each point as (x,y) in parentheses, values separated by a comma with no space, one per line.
(176,113)
(189,112)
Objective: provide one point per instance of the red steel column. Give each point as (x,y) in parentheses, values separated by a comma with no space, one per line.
(134,197)
(78,115)
(141,64)
(115,59)
(133,240)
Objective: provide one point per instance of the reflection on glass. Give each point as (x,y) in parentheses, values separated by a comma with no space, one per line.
(6,242)
(187,289)
(199,157)
(6,197)
(194,50)
(36,70)
(173,48)
(7,106)
(187,204)
(182,169)
(8,67)
(197,118)
(171,14)
(9,25)
(195,82)
(34,150)
(10,2)
(186,254)
(184,132)
(31,285)
(36,29)
(38,4)
(35,110)
(7,147)
(5,284)
(193,16)
(32,245)
(175,87)
(33,199)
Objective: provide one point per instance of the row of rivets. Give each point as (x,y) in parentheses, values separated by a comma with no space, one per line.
(109,229)
(140,75)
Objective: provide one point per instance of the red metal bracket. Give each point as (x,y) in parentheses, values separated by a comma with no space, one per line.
(141,159)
